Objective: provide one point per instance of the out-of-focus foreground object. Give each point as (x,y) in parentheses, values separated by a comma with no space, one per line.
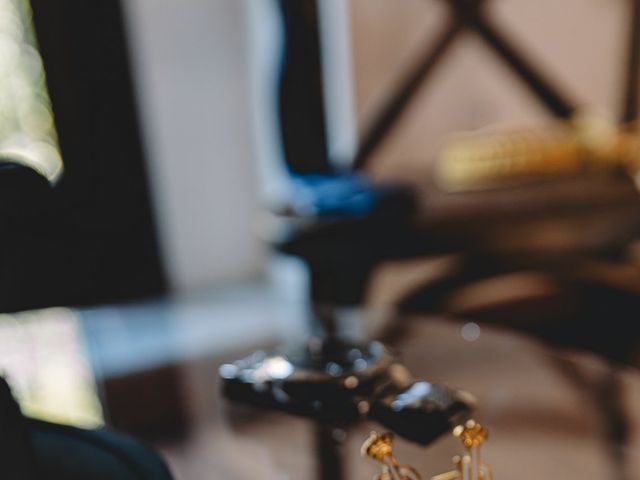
(339,384)
(586,145)
(90,237)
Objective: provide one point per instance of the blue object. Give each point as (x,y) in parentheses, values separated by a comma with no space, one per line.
(347,194)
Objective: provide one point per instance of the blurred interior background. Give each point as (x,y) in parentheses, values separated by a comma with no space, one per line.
(184,182)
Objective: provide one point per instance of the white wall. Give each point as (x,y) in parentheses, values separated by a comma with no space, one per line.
(191,62)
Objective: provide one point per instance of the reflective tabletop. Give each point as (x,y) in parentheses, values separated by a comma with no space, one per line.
(551,413)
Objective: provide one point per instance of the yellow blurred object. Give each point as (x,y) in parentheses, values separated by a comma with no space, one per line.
(588,142)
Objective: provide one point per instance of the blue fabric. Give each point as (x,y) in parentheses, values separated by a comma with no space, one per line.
(343,194)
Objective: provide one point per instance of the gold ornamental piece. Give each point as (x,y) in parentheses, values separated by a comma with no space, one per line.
(469,466)
(380,448)
(471,433)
